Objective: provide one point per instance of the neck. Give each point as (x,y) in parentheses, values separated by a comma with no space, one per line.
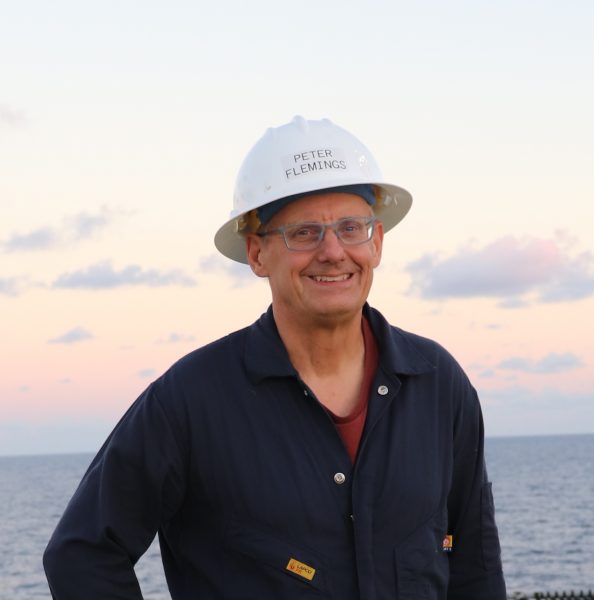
(322,348)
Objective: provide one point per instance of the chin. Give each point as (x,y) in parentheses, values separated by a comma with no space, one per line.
(336,312)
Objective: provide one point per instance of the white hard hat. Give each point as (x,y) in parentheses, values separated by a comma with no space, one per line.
(300,157)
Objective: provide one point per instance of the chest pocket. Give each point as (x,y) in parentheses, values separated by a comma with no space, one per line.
(276,566)
(422,569)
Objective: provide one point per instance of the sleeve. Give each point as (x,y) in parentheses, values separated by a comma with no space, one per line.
(475,559)
(133,485)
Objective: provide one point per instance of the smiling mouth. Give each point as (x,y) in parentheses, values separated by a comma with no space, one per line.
(329,278)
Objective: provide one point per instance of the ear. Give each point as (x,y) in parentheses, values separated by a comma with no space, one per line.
(377,242)
(253,250)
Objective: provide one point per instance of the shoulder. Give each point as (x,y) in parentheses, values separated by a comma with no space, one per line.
(408,353)
(221,355)
(432,350)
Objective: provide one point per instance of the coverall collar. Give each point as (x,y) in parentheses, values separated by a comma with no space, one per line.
(266,356)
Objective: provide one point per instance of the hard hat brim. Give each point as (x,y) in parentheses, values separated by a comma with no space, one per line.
(396,204)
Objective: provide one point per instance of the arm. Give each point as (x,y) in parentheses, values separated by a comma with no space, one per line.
(475,561)
(132,486)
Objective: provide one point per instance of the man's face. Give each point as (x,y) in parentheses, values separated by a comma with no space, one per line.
(325,285)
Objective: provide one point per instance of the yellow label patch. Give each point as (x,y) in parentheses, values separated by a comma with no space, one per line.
(448,543)
(300,569)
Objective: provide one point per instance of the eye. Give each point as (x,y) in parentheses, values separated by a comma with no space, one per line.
(304,231)
(351,227)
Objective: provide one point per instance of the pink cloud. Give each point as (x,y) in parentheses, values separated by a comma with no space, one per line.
(508,268)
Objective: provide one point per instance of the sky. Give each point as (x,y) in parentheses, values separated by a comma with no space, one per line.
(123,125)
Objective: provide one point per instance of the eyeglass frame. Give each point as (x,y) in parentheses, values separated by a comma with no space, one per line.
(369,223)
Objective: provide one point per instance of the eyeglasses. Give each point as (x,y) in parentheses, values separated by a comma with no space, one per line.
(309,235)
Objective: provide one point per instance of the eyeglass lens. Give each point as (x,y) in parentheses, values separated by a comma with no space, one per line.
(306,236)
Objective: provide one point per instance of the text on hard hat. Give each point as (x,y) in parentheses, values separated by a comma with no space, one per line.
(308,161)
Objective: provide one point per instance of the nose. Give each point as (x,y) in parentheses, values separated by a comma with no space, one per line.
(330,248)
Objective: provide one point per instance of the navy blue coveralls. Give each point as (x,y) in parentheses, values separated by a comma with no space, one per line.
(231,458)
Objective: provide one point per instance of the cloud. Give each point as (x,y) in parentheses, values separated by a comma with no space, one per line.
(551,363)
(549,398)
(513,302)
(508,268)
(77,334)
(519,411)
(239,273)
(8,287)
(85,225)
(487,373)
(38,239)
(73,229)
(176,338)
(11,116)
(102,276)
(146,373)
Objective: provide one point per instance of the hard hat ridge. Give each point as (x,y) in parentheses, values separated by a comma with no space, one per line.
(301,123)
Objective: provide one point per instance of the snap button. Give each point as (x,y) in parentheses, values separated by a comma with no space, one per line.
(382,390)
(339,478)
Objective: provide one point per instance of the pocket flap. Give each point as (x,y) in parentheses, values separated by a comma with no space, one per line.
(299,563)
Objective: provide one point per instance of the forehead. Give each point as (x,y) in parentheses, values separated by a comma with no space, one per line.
(325,207)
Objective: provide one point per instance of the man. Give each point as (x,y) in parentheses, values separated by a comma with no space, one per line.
(320,452)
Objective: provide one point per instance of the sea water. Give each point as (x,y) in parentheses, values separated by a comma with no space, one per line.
(544,498)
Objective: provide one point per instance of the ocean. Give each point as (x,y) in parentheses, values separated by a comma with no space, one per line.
(544,498)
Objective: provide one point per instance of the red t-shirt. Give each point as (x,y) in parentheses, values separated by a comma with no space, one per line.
(351,426)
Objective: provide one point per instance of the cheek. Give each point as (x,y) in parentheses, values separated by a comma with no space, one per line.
(280,271)
(372,257)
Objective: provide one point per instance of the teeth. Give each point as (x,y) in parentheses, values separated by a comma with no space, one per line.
(335,278)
